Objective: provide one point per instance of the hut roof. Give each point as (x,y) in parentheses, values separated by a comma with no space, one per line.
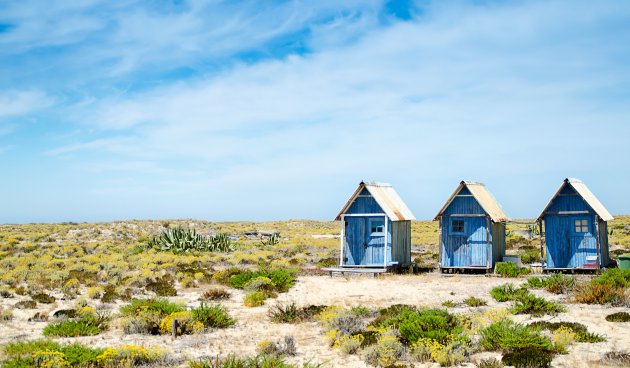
(386,197)
(483,196)
(586,194)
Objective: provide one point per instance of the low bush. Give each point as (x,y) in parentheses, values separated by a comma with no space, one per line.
(556,283)
(129,356)
(145,316)
(161,306)
(507,292)
(507,335)
(489,363)
(5,314)
(509,269)
(386,351)
(598,293)
(434,324)
(215,294)
(448,303)
(339,324)
(277,348)
(26,304)
(616,359)
(581,332)
(453,353)
(291,313)
(212,316)
(255,299)
(186,324)
(536,306)
(618,317)
(258,361)
(528,358)
(88,325)
(475,302)
(281,279)
(79,355)
(43,298)
(47,353)
(162,286)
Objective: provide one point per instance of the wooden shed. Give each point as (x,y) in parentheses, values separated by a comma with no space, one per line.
(575,228)
(375,228)
(471,229)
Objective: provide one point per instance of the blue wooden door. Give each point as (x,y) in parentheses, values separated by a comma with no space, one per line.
(558,239)
(465,243)
(583,242)
(375,240)
(356,245)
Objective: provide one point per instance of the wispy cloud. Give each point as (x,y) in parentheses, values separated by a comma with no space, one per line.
(256,107)
(14,103)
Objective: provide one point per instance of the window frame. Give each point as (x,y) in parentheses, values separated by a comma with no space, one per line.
(581,226)
(382,226)
(459,221)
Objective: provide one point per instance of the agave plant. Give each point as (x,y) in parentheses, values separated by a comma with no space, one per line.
(184,240)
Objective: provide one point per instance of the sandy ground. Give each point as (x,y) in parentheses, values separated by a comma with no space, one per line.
(253,325)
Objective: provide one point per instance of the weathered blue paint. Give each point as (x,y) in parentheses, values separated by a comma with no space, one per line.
(472,243)
(364,247)
(371,238)
(467,248)
(365,203)
(566,247)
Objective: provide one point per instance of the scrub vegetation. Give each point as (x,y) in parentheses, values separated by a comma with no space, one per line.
(123,278)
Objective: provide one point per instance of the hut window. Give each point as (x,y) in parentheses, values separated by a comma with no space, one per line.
(457,226)
(377,226)
(581,226)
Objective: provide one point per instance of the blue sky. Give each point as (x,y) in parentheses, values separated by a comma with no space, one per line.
(265,110)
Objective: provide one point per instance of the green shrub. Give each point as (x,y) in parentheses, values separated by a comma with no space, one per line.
(291,313)
(81,356)
(435,324)
(475,302)
(507,335)
(507,292)
(536,282)
(618,317)
(448,303)
(509,269)
(28,347)
(581,332)
(528,358)
(213,316)
(281,279)
(531,256)
(43,298)
(88,325)
(536,306)
(260,283)
(161,306)
(614,276)
(255,299)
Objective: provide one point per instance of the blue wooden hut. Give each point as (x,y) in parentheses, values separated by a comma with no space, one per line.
(471,228)
(375,228)
(575,228)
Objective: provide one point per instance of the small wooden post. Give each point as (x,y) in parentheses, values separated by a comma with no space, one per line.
(174,330)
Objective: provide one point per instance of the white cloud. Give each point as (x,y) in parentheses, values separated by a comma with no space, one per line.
(15,103)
